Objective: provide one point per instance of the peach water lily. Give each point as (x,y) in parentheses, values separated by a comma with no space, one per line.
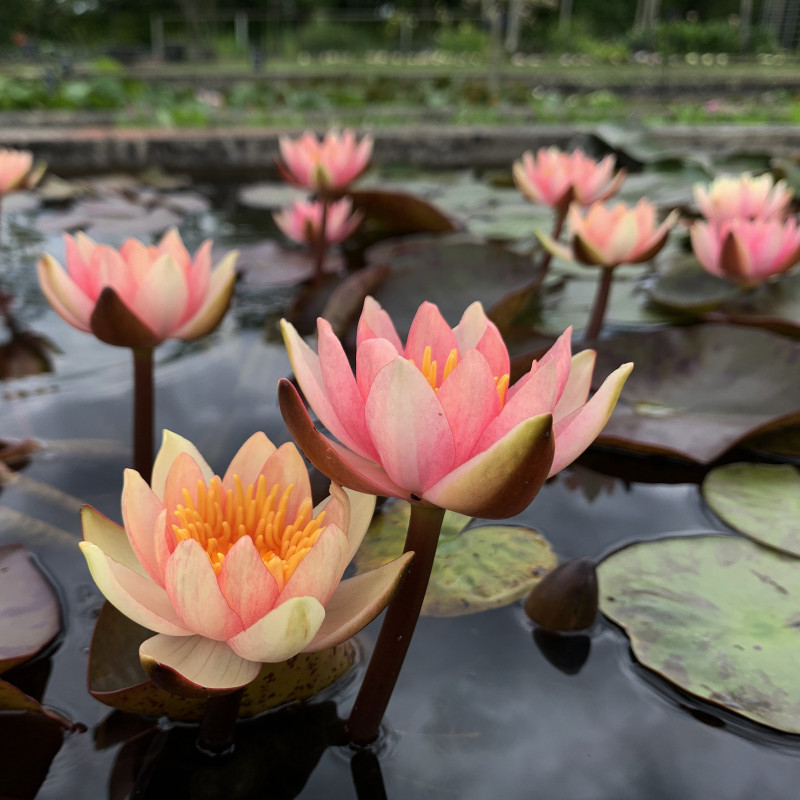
(231,572)
(327,166)
(744,251)
(743,196)
(17,170)
(308,222)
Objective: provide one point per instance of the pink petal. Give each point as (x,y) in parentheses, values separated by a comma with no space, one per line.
(249,460)
(172,445)
(476,332)
(430,329)
(162,297)
(132,593)
(357,601)
(561,356)
(67,299)
(578,384)
(351,512)
(284,632)
(371,358)
(286,466)
(195,594)
(184,474)
(408,427)
(577,431)
(375,323)
(213,308)
(140,512)
(246,583)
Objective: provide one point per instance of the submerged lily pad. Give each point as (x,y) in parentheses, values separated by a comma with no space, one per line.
(697,391)
(117,679)
(716,615)
(478,568)
(760,500)
(29,612)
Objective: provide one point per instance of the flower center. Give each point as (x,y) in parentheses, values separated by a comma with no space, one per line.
(430,370)
(220,518)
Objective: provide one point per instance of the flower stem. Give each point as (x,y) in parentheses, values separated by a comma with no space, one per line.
(600,301)
(367,778)
(398,627)
(547,256)
(321,244)
(143,411)
(219,722)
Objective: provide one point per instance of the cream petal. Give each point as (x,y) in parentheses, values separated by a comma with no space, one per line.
(215,304)
(357,601)
(284,632)
(162,297)
(172,444)
(578,385)
(110,538)
(140,512)
(69,302)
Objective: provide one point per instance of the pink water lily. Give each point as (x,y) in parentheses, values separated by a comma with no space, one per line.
(746,252)
(302,221)
(743,197)
(555,178)
(327,166)
(138,296)
(16,170)
(606,237)
(435,421)
(236,571)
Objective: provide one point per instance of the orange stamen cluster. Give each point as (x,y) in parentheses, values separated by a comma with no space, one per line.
(220,518)
(430,368)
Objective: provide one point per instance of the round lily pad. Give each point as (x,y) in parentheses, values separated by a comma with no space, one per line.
(697,391)
(760,500)
(689,288)
(717,616)
(476,568)
(117,679)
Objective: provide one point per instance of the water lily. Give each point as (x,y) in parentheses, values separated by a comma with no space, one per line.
(555,178)
(231,572)
(326,166)
(746,252)
(743,196)
(609,236)
(17,170)
(138,296)
(436,421)
(303,222)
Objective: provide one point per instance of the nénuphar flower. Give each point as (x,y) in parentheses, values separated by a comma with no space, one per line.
(436,421)
(17,170)
(743,196)
(327,166)
(237,571)
(555,178)
(746,252)
(139,295)
(302,221)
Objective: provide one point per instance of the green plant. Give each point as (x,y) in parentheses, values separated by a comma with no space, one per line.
(463,38)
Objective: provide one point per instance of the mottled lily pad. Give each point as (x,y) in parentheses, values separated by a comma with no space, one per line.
(716,615)
(760,500)
(29,612)
(697,391)
(476,568)
(117,679)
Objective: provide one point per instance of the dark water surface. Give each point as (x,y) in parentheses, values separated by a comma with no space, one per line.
(479,711)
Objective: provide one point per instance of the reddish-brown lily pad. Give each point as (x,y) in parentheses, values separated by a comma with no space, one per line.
(400,213)
(30,617)
(697,391)
(117,679)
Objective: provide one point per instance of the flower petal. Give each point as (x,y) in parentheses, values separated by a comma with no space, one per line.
(281,634)
(110,538)
(320,571)
(577,431)
(245,582)
(195,594)
(357,601)
(430,329)
(172,445)
(286,466)
(500,482)
(133,593)
(162,296)
(578,384)
(249,460)
(140,511)
(192,666)
(63,294)
(375,323)
(113,322)
(217,300)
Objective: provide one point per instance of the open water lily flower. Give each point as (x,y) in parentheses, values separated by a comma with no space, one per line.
(17,170)
(555,178)
(236,571)
(435,421)
(743,197)
(746,251)
(138,296)
(328,166)
(302,221)
(607,237)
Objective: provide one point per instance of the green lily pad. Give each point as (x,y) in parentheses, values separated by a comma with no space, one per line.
(117,679)
(30,617)
(687,287)
(717,616)
(476,568)
(783,443)
(697,391)
(761,501)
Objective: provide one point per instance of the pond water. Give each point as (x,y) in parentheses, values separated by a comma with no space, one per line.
(483,708)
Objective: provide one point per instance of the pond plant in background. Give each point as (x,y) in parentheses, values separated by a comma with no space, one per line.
(137,297)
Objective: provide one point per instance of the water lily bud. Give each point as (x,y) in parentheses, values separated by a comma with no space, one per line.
(566,599)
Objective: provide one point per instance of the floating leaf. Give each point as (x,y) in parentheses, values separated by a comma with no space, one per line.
(29,612)
(688,287)
(117,679)
(270,264)
(400,212)
(484,567)
(697,391)
(269,196)
(760,500)
(716,615)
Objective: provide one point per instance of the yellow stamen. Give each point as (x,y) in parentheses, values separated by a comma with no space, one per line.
(502,388)
(220,518)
